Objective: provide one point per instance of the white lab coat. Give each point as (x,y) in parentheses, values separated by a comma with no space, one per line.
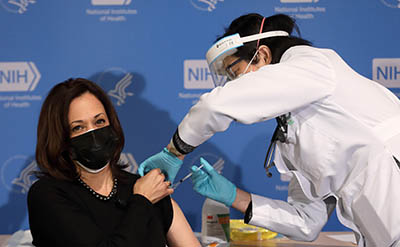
(343,134)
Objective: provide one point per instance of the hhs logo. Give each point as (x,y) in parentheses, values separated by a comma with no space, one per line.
(16,6)
(299,1)
(18,76)
(119,92)
(197,75)
(17,173)
(111,2)
(392,3)
(386,71)
(121,79)
(205,5)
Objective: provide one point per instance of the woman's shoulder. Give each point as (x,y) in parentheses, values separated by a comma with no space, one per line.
(164,209)
(132,177)
(46,181)
(130,174)
(127,179)
(46,186)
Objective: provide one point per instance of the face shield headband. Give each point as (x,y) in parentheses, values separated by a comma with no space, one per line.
(227,46)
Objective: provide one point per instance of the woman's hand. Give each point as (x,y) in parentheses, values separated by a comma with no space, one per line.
(153,186)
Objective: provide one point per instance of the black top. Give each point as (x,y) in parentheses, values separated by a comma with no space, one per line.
(63,213)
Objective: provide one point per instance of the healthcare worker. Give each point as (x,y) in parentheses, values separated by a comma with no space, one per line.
(338,133)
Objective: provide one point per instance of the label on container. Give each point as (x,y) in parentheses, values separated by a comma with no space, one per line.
(218,226)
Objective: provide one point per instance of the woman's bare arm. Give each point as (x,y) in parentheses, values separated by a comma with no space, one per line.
(180,234)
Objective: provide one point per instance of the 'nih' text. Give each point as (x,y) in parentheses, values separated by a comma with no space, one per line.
(18,76)
(386,71)
(197,75)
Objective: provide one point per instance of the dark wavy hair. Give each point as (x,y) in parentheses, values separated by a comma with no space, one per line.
(53,131)
(250,24)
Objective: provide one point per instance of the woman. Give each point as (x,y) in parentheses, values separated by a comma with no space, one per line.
(338,134)
(83,196)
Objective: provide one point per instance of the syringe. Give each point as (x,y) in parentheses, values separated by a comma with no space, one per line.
(184,178)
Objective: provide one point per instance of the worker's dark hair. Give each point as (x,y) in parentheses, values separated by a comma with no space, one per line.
(250,24)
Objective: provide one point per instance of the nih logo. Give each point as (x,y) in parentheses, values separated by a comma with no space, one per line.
(197,75)
(386,71)
(18,76)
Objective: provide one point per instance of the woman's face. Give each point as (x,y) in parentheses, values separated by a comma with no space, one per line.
(86,112)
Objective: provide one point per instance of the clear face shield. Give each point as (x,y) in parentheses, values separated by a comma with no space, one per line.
(227,46)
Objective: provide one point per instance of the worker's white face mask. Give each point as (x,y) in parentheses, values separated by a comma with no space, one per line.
(245,71)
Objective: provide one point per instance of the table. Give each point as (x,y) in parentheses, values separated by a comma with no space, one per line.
(3,239)
(323,240)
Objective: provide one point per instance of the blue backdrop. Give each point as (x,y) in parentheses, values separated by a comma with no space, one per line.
(149,56)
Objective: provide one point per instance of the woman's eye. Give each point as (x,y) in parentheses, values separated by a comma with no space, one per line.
(100,121)
(76,128)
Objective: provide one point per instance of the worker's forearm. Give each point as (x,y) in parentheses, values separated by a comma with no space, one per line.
(172,150)
(242,200)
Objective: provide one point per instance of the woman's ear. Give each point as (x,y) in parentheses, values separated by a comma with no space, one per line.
(265,55)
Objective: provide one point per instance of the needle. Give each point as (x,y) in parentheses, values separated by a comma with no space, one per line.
(186,177)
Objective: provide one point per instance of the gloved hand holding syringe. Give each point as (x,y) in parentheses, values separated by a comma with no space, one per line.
(217,166)
(184,178)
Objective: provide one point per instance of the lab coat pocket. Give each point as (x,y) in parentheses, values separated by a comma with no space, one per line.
(316,153)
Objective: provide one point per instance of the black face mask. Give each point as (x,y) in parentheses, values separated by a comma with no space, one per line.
(94,149)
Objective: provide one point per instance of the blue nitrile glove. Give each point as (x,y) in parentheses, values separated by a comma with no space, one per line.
(213,185)
(166,161)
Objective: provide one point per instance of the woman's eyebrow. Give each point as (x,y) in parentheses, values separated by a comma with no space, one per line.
(99,115)
(76,121)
